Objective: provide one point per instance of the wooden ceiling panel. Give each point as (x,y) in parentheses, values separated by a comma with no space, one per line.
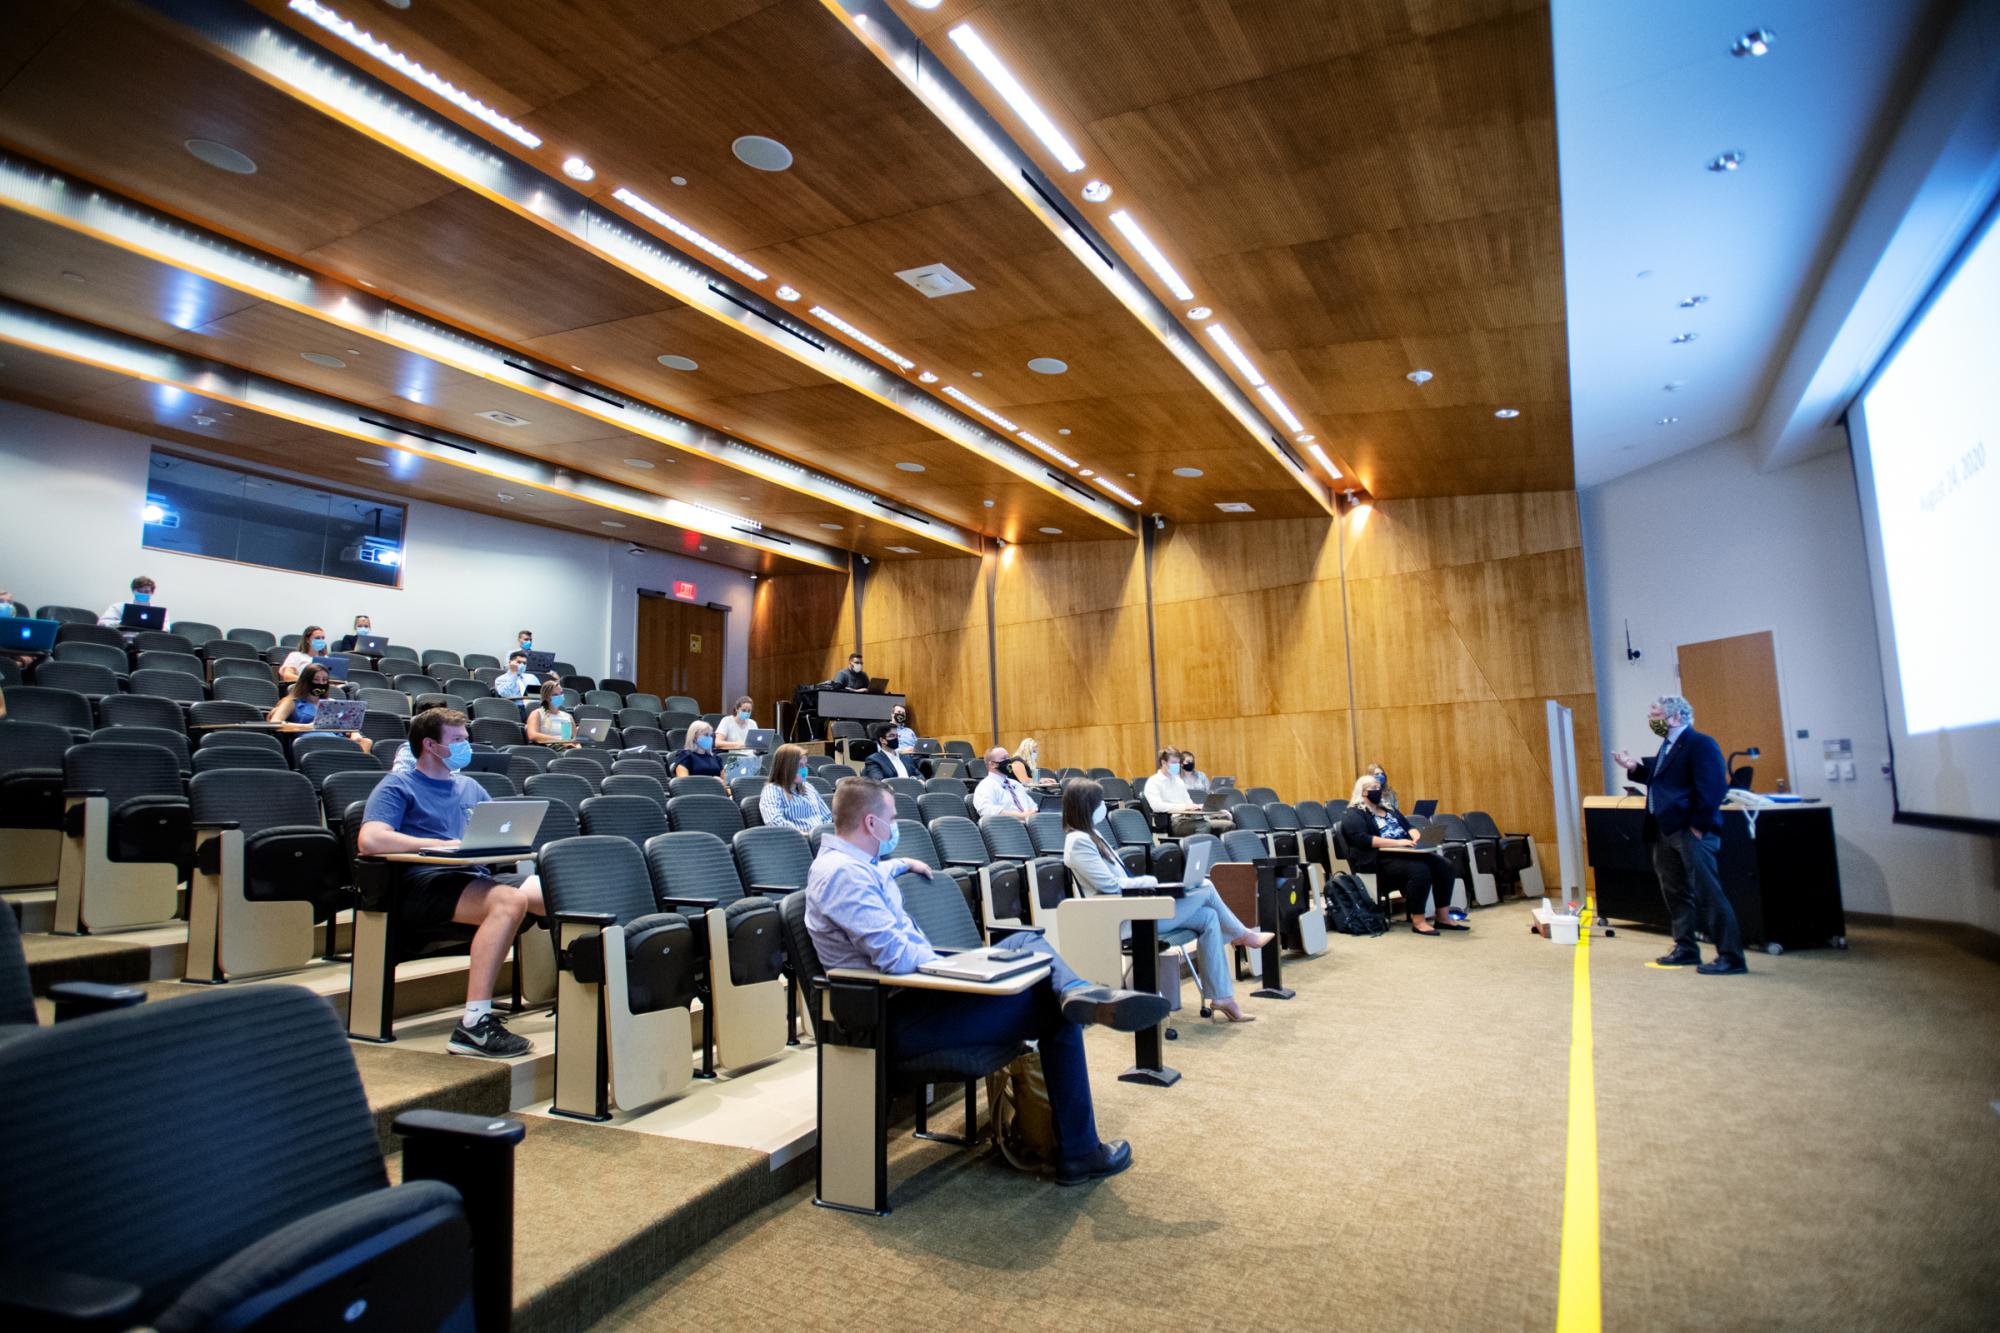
(60,270)
(627,352)
(114,96)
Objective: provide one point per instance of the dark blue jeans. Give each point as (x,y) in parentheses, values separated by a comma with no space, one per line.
(924,1021)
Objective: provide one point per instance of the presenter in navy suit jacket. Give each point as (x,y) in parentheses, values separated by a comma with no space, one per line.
(1685,783)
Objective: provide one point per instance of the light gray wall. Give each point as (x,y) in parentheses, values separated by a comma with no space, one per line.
(1703,546)
(470,581)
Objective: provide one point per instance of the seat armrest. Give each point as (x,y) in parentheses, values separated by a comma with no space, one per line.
(584,958)
(78,793)
(474,1154)
(697,904)
(42,1297)
(219,826)
(771,890)
(80,999)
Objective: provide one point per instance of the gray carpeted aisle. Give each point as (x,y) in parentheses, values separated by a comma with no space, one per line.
(1810,1147)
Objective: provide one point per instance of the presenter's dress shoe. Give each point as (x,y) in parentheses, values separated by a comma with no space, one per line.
(1722,968)
(1109,1159)
(1678,959)
(1119,1010)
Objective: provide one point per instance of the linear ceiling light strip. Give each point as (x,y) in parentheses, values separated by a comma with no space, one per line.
(278,58)
(52,197)
(71,340)
(924,74)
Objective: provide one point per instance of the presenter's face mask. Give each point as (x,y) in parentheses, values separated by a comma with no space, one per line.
(458,755)
(1658,724)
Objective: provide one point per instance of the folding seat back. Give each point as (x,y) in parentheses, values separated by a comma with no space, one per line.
(260,639)
(636,818)
(592,713)
(412,683)
(963,749)
(645,738)
(1016,885)
(650,702)
(465,688)
(1242,845)
(935,805)
(261,1243)
(127,837)
(681,703)
(241,689)
(1260,796)
(159,641)
(504,710)
(211,757)
(835,772)
(598,759)
(774,861)
(400,664)
(114,660)
(1312,815)
(637,784)
(609,699)
(180,685)
(139,710)
(637,717)
(446,672)
(216,649)
(197,631)
(819,784)
(575,765)
(706,814)
(160,661)
(337,791)
(383,729)
(1007,839)
(496,785)
(475,661)
(1117,791)
(245,668)
(520,768)
(221,712)
(496,731)
(433,656)
(568,789)
(320,762)
(360,678)
(402,653)
(907,807)
(1250,816)
(910,787)
(753,813)
(644,764)
(226,739)
(698,785)
(31,799)
(170,740)
(84,678)
(77,620)
(541,756)
(914,840)
(1045,831)
(1129,828)
(264,866)
(696,873)
(395,703)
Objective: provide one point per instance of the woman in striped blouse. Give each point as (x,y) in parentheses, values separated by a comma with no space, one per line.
(787,800)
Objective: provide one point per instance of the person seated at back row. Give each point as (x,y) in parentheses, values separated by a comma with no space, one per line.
(312,644)
(1025,766)
(1090,858)
(1424,878)
(697,759)
(362,625)
(856,917)
(854,679)
(1193,778)
(427,806)
(888,761)
(549,725)
(1166,794)
(733,730)
(300,704)
(788,800)
(998,793)
(143,589)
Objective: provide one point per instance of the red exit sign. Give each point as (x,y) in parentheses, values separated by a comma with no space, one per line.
(684,591)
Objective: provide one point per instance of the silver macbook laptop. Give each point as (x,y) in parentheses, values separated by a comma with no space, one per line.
(338,715)
(497,828)
(371,645)
(988,964)
(592,729)
(1199,859)
(763,740)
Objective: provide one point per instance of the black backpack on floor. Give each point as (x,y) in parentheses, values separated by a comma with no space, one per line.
(1350,910)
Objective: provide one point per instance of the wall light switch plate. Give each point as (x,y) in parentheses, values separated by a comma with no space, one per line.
(1847,770)
(1832,771)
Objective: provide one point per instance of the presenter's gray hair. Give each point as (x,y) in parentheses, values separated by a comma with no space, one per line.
(1677,709)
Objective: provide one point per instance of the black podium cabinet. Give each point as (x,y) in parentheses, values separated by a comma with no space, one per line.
(1777,866)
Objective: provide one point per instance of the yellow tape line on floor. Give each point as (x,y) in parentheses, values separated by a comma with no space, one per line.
(1579,1302)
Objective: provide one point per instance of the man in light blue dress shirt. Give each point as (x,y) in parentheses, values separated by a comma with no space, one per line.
(856,917)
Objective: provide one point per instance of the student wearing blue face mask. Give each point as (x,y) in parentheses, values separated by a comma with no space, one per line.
(1166,794)
(731,732)
(143,589)
(427,806)
(699,758)
(312,644)
(549,725)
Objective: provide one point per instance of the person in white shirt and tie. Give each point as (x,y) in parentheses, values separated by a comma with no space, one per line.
(888,761)
(998,793)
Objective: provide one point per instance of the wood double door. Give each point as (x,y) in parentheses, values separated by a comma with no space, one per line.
(680,649)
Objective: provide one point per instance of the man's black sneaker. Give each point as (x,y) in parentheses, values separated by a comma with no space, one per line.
(1720,968)
(489,1036)
(1678,959)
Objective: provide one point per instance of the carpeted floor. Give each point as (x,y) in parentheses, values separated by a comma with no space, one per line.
(1809,1147)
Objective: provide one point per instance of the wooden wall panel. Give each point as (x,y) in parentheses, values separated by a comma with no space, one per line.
(801,626)
(1072,669)
(924,627)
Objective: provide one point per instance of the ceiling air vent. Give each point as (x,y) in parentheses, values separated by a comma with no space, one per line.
(934,280)
(499,418)
(1234,507)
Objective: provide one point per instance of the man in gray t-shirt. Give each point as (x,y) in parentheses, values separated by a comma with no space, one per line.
(427,806)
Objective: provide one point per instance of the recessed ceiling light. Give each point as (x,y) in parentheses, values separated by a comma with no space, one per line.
(643,464)
(678,180)
(1048,365)
(832,527)
(646,208)
(410,69)
(1680,338)
(788,293)
(1221,338)
(1010,89)
(1755,42)
(1096,192)
(1234,507)
(1187,472)
(1420,377)
(1132,474)
(1062,430)
(609,523)
(903,550)
(1728,161)
(220,156)
(673,362)
(822,313)
(325,359)
(1674,386)
(203,419)
(765,154)
(1690,302)
(578,170)
(1507,413)
(979,374)
(987,503)
(1306,439)
(1668,421)
(71,275)
(909,467)
(1085,472)
(371,462)
(927,377)
(1053,532)
(1149,252)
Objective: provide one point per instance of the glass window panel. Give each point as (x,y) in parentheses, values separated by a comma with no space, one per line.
(199,508)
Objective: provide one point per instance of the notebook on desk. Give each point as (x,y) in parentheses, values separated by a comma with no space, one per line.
(991,963)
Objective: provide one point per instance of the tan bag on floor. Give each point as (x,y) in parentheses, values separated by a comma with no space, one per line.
(1024,1125)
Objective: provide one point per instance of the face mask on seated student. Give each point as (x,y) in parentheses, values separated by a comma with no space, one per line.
(705,742)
